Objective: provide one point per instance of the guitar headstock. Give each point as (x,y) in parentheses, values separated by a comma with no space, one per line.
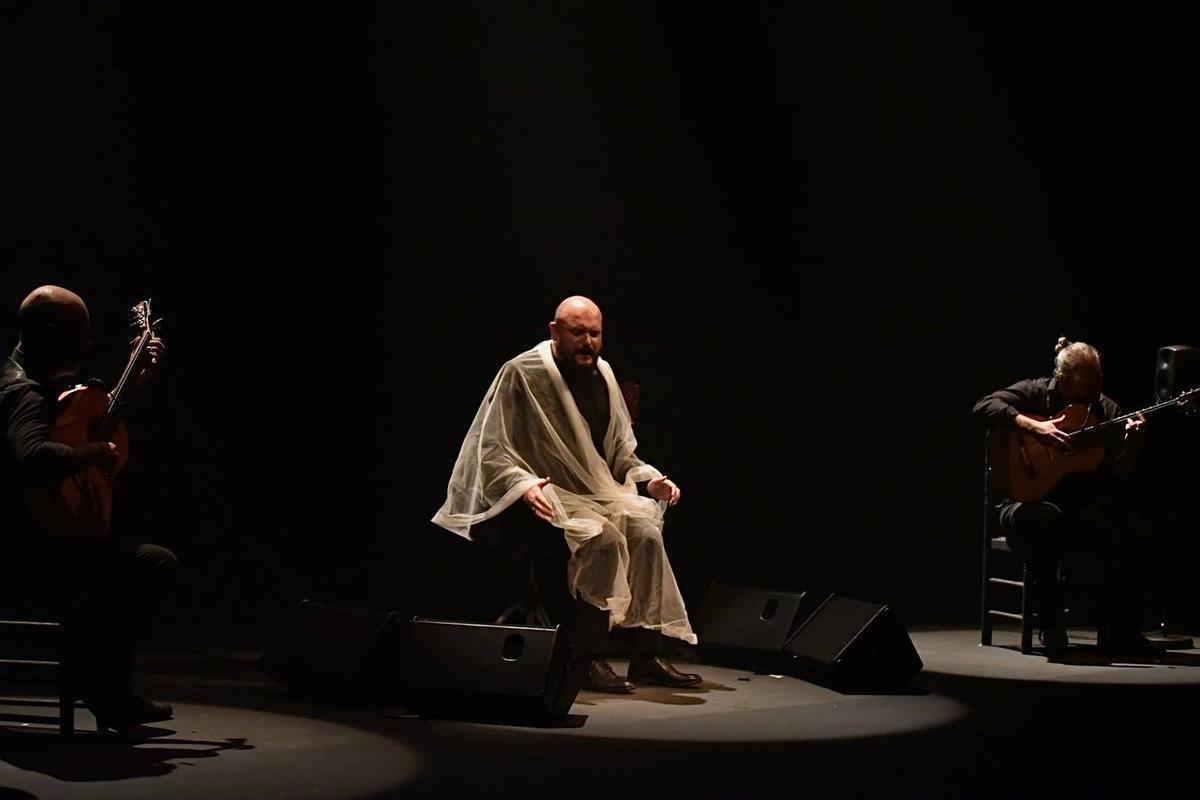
(141,319)
(1189,401)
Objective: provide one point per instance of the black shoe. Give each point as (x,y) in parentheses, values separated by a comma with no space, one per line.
(1119,642)
(1054,640)
(656,669)
(135,710)
(601,678)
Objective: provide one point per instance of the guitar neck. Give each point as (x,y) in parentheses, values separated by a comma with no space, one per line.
(1145,412)
(123,387)
(121,390)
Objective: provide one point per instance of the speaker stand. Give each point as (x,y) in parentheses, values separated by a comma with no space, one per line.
(1170,641)
(529,610)
(524,612)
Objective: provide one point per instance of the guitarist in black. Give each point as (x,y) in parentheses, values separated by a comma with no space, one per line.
(1085,512)
(101,588)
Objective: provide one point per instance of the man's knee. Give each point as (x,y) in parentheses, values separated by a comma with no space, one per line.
(1030,517)
(1032,525)
(156,557)
(156,569)
(608,543)
(643,533)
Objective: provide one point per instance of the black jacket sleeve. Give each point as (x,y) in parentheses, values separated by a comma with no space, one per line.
(39,461)
(1002,406)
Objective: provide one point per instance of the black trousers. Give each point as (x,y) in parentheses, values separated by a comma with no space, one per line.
(1109,535)
(109,593)
(591,636)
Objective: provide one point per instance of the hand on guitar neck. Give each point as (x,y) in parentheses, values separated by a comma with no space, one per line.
(1135,438)
(156,349)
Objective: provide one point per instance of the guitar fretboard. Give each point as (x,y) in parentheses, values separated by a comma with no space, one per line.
(1109,423)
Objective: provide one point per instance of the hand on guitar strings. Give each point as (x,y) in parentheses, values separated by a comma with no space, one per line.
(1047,431)
(98,454)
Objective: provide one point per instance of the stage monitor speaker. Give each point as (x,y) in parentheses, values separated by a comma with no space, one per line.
(473,670)
(335,652)
(744,625)
(1176,370)
(854,645)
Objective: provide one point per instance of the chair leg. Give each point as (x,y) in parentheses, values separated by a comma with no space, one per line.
(66,713)
(1026,610)
(66,700)
(985,619)
(985,628)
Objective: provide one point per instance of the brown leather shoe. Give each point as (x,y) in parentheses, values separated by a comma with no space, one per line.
(656,669)
(601,678)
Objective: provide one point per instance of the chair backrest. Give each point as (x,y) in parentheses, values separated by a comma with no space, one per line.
(632,391)
(987,486)
(991,505)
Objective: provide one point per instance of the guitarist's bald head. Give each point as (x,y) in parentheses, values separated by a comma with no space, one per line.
(53,324)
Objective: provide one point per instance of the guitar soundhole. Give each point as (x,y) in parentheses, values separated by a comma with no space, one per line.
(769,609)
(514,646)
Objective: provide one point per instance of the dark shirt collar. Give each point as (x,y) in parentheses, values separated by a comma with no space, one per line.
(14,367)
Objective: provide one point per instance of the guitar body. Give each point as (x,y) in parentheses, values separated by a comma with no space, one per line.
(79,510)
(1025,469)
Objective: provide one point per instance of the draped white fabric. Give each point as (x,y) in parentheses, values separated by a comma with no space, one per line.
(529,428)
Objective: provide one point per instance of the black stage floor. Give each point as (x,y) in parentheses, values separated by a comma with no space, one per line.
(978,722)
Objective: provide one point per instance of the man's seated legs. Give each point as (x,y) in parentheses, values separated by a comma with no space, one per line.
(648,571)
(1037,532)
(518,534)
(1122,544)
(1044,533)
(634,564)
(110,591)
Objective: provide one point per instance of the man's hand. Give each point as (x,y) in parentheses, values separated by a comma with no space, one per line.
(156,349)
(538,502)
(1135,439)
(664,489)
(98,454)
(1046,431)
(1135,428)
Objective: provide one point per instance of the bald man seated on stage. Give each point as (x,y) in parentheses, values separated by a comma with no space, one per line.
(103,587)
(554,433)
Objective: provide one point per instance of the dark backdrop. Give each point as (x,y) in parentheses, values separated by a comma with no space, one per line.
(818,235)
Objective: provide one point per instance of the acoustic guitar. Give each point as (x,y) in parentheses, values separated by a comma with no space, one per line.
(79,510)
(1024,468)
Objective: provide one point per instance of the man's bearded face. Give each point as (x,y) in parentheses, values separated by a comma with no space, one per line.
(579,338)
